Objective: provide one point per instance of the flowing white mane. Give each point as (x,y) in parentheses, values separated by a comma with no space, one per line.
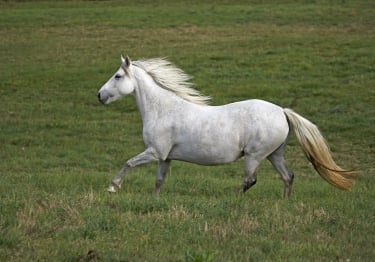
(172,78)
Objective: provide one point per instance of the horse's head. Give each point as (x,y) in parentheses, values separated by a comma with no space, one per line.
(120,84)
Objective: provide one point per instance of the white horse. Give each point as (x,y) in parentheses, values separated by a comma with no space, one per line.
(178,124)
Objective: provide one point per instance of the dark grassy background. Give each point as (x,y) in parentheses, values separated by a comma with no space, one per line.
(59,147)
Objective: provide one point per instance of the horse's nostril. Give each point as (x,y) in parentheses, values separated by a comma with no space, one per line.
(99,96)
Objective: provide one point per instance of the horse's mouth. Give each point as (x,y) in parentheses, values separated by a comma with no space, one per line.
(102,99)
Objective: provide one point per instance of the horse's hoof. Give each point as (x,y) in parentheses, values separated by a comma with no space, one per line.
(111,189)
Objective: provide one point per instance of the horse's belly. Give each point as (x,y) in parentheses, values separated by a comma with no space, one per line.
(205,154)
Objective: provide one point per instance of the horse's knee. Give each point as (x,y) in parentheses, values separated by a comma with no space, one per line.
(247,184)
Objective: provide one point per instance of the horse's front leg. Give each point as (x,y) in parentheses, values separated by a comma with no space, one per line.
(143,158)
(162,172)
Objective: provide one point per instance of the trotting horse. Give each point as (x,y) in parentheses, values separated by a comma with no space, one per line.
(178,124)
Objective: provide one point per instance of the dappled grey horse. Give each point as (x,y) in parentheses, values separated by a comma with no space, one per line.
(178,124)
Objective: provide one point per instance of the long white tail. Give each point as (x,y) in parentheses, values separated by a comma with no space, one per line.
(318,153)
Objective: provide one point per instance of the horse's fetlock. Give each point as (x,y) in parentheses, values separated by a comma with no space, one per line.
(111,189)
(116,182)
(247,184)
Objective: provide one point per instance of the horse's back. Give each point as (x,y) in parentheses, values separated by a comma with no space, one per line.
(262,123)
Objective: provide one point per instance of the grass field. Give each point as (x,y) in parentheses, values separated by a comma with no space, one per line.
(59,147)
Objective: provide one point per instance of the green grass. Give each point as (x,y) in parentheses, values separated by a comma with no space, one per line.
(59,147)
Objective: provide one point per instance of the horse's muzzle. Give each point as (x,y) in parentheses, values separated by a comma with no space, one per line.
(100,100)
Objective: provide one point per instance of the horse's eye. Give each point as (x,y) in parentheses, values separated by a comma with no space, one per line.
(118,76)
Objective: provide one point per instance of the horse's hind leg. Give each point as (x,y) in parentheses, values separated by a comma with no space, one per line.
(278,162)
(162,172)
(251,166)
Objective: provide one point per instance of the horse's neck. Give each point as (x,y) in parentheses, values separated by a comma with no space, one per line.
(152,100)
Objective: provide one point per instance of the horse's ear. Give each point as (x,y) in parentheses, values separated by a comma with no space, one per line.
(125,62)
